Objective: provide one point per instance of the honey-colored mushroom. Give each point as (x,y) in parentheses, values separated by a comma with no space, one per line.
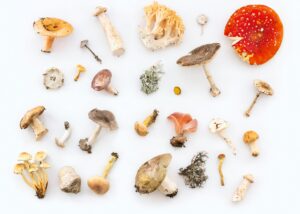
(250,138)
(141,128)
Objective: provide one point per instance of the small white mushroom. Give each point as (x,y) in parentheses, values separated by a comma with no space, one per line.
(53,78)
(70,181)
(60,142)
(240,192)
(218,126)
(202,20)
(114,38)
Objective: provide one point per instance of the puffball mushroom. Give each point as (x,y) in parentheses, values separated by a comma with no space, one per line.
(218,126)
(51,28)
(202,56)
(31,119)
(184,124)
(103,119)
(101,81)
(100,184)
(141,128)
(70,181)
(163,27)
(240,192)
(60,142)
(250,138)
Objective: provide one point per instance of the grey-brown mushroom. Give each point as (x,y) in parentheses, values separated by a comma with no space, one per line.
(202,56)
(101,81)
(103,119)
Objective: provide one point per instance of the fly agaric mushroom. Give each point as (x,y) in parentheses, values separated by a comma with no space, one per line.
(184,124)
(218,126)
(202,56)
(163,27)
(262,88)
(103,119)
(152,175)
(256,31)
(100,184)
(240,192)
(60,142)
(101,81)
(250,138)
(31,119)
(141,128)
(50,28)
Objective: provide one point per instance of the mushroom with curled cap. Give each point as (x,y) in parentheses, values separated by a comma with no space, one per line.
(202,56)
(152,175)
(101,81)
(50,28)
(103,119)
(31,119)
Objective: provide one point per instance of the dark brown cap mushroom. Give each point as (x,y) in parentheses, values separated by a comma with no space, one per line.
(101,81)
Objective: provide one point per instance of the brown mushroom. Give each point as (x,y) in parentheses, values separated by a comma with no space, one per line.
(202,56)
(103,119)
(31,119)
(50,28)
(101,81)
(250,138)
(141,128)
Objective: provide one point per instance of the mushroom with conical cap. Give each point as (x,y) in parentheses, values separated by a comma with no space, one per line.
(101,81)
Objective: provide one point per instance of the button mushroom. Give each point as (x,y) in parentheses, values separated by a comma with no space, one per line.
(202,56)
(103,119)
(141,128)
(218,126)
(50,28)
(152,175)
(31,119)
(240,192)
(101,81)
(250,138)
(262,88)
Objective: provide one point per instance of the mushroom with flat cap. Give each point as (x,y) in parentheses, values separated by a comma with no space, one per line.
(202,56)
(152,175)
(31,119)
(103,119)
(101,81)
(50,28)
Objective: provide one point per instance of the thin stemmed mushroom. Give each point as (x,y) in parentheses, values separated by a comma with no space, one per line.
(31,119)
(84,44)
(100,184)
(103,119)
(141,128)
(250,138)
(64,138)
(240,192)
(221,158)
(202,56)
(184,124)
(152,175)
(101,81)
(262,88)
(219,126)
(80,69)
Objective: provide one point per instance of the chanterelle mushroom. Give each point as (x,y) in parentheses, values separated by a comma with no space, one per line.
(202,56)
(101,81)
(50,28)
(152,175)
(103,119)
(31,119)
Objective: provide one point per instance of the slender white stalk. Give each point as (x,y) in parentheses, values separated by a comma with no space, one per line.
(94,135)
(228,141)
(64,138)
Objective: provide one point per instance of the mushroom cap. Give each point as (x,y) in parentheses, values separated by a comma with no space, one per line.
(24,156)
(249,177)
(103,118)
(52,27)
(141,129)
(83,43)
(217,125)
(101,80)
(250,136)
(45,165)
(33,167)
(40,156)
(31,114)
(152,173)
(98,184)
(19,168)
(199,56)
(263,87)
(184,123)
(221,156)
(53,78)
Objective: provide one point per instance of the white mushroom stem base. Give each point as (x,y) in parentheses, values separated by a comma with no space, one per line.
(38,128)
(168,187)
(254,149)
(240,192)
(48,41)
(228,142)
(94,135)
(62,140)
(112,90)
(214,90)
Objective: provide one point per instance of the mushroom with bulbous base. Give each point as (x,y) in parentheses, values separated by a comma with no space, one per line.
(240,192)
(141,128)
(250,138)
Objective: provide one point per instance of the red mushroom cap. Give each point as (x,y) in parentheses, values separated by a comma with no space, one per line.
(183,123)
(101,80)
(257,32)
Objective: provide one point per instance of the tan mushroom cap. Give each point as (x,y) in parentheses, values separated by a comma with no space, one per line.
(40,156)
(33,167)
(52,27)
(141,129)
(263,87)
(19,168)
(103,118)
(152,173)
(217,125)
(45,165)
(24,156)
(98,184)
(250,136)
(31,114)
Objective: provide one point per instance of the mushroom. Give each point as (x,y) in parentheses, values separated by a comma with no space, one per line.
(103,119)
(50,28)
(262,88)
(60,142)
(100,184)
(221,158)
(141,128)
(70,181)
(80,69)
(53,78)
(184,124)
(152,175)
(84,44)
(218,126)
(202,20)
(250,138)
(202,56)
(31,119)
(114,38)
(240,192)
(101,81)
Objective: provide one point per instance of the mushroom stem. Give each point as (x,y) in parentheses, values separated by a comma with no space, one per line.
(94,135)
(214,90)
(27,181)
(114,157)
(112,90)
(240,192)
(61,141)
(48,41)
(38,128)
(254,149)
(228,141)
(247,113)
(151,118)
(168,187)
(221,158)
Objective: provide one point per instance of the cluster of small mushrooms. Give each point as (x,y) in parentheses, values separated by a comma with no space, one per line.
(163,27)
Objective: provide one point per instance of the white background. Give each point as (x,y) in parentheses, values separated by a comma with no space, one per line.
(276,170)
